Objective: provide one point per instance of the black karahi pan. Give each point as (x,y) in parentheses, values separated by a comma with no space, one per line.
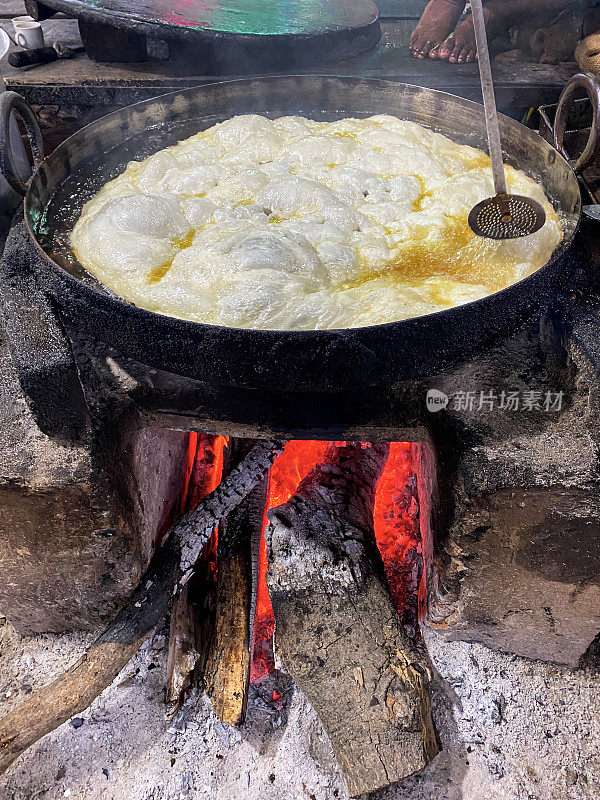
(293,361)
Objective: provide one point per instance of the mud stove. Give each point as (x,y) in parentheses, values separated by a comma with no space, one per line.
(332,531)
(473,510)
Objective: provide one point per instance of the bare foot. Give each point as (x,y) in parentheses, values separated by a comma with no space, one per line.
(437,21)
(460,47)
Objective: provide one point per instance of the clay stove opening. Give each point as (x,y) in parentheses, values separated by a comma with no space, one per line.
(324,562)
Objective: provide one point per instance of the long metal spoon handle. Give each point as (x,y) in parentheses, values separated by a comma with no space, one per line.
(489,100)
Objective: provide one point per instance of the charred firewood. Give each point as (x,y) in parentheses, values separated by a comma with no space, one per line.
(192,611)
(216,610)
(227,496)
(183,655)
(76,688)
(227,665)
(337,631)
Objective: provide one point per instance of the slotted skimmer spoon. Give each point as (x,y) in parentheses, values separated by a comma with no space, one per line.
(504,216)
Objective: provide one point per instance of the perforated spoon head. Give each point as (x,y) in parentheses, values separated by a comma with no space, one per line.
(506,216)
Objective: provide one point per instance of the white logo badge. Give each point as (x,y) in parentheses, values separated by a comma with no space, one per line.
(436,400)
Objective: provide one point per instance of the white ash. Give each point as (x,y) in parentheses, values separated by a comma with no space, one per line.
(512,729)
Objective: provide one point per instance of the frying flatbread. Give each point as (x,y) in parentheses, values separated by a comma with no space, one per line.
(297,224)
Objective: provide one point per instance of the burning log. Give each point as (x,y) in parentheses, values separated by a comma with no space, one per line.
(192,529)
(227,670)
(75,689)
(191,624)
(217,613)
(227,667)
(337,631)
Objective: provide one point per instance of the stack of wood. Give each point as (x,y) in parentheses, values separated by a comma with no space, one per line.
(211,619)
(337,631)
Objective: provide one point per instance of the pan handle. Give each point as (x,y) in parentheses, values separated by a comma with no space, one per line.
(9,164)
(591,85)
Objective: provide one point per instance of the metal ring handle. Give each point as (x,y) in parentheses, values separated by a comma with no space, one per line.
(9,102)
(591,85)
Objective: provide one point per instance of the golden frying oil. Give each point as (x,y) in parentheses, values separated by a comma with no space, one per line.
(158,273)
(459,255)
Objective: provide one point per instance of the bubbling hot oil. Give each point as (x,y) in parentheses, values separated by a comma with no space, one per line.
(180,243)
(458,255)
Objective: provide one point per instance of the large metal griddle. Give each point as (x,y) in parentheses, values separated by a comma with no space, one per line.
(288,31)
